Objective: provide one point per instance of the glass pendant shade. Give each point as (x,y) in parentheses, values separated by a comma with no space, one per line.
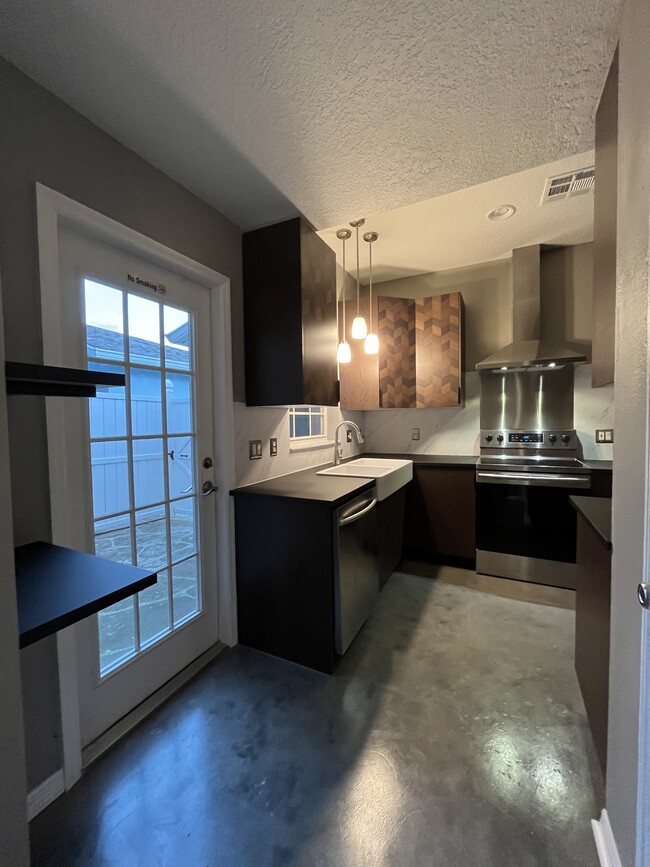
(371,345)
(359,328)
(343,353)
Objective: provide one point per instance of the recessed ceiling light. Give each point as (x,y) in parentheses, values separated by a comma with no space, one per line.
(503,212)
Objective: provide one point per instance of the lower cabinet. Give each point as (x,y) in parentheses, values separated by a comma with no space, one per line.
(390,534)
(593,596)
(440,515)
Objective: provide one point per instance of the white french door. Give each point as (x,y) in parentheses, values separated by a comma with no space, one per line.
(149,449)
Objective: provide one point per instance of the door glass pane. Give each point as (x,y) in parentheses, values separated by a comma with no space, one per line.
(181,466)
(183,528)
(144,483)
(104,321)
(151,537)
(148,472)
(146,402)
(116,634)
(113,539)
(178,338)
(185,587)
(144,331)
(108,409)
(179,403)
(153,607)
(110,474)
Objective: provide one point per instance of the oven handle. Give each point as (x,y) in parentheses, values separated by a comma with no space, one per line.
(549,480)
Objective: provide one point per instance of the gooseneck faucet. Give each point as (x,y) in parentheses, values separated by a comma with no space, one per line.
(338,449)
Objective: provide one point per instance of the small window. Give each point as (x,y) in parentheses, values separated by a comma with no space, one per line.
(306,423)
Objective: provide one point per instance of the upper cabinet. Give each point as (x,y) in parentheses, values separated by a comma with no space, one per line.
(289,316)
(605,196)
(420,360)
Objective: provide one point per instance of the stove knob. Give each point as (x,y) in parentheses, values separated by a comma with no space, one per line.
(500,438)
(488,437)
(566,438)
(552,438)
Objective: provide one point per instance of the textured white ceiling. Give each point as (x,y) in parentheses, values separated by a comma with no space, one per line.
(453,231)
(332,108)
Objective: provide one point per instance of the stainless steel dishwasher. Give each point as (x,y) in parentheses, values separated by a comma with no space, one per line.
(356,567)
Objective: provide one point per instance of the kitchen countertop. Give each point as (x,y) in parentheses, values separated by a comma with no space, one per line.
(306,485)
(335,490)
(597,511)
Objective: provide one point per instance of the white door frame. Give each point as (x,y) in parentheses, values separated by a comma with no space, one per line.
(53,210)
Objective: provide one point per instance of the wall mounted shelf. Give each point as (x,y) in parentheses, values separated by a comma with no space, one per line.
(56,381)
(56,587)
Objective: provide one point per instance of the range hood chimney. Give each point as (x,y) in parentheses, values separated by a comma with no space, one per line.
(527,348)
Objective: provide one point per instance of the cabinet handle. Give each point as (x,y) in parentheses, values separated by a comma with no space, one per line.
(643,595)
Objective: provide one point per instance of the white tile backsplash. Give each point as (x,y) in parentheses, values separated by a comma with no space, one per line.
(262,423)
(442,431)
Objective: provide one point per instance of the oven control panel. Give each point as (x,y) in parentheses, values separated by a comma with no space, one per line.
(526,438)
(523,439)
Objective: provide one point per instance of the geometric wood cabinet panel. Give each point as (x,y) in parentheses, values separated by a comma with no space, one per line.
(420,360)
(438,351)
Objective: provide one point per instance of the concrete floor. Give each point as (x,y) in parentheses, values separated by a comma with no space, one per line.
(452,735)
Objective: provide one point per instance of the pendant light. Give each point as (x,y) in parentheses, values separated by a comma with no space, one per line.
(371,344)
(343,353)
(359,327)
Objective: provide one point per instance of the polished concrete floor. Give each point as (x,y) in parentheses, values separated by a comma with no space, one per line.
(452,735)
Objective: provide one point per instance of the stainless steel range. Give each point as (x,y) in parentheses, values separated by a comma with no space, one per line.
(530,457)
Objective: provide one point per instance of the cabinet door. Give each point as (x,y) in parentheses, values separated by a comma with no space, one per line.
(438,351)
(440,519)
(390,533)
(396,329)
(360,378)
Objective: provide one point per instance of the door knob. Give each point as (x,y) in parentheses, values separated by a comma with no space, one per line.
(643,594)
(208,488)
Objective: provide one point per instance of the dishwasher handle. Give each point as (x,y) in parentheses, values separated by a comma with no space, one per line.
(350,519)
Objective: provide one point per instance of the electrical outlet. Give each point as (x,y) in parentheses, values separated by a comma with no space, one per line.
(273,446)
(255,450)
(415,433)
(604,435)
(348,436)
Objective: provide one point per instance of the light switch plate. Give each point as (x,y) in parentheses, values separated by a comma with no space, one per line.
(255,450)
(273,446)
(604,435)
(415,433)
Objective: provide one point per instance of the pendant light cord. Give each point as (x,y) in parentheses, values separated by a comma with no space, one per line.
(370,280)
(344,334)
(357,270)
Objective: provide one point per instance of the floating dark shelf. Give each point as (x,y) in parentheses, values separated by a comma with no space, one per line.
(56,587)
(56,381)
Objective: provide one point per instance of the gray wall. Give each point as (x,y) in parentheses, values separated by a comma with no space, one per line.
(42,139)
(630,524)
(14,846)
(566,296)
(487,293)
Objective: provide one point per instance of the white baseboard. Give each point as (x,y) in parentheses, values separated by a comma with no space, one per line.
(605,842)
(43,795)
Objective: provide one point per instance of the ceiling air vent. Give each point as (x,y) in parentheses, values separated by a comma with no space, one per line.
(568,185)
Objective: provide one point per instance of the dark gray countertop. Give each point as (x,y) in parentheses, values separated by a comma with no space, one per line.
(428,460)
(306,485)
(597,511)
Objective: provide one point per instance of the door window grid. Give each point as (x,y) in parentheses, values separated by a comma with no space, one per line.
(306,423)
(186,560)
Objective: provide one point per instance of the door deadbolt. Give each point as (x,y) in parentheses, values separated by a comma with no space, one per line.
(643,594)
(207,463)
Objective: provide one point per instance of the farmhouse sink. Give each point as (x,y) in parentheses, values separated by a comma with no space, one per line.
(389,475)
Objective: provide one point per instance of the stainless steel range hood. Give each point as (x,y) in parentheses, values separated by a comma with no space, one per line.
(527,349)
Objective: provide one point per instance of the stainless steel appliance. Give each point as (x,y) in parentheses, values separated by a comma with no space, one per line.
(356,565)
(530,461)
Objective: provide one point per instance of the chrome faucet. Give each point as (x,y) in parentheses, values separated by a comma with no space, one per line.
(338,449)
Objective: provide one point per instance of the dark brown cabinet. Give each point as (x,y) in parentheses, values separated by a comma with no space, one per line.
(440,515)
(593,598)
(390,534)
(289,316)
(420,360)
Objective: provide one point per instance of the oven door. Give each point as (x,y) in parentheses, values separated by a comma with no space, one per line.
(526,526)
